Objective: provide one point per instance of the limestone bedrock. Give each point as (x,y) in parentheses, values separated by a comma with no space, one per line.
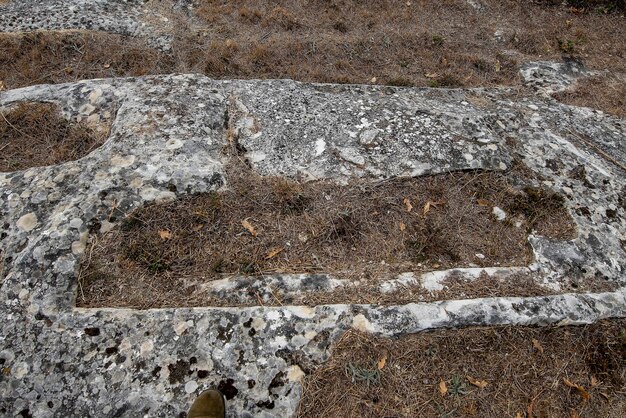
(167,140)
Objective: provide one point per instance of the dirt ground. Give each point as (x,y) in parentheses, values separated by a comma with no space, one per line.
(516,372)
(365,231)
(414,43)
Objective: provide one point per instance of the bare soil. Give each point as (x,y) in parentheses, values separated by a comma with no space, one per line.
(366,231)
(36,134)
(525,372)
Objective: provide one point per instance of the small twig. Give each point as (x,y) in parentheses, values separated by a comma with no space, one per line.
(258,298)
(14,127)
(274,295)
(113,208)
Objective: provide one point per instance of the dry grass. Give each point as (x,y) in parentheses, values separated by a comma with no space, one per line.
(360,231)
(607,93)
(419,43)
(35,134)
(64,56)
(524,369)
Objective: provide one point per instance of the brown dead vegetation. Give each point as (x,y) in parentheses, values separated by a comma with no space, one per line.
(605,92)
(64,56)
(524,372)
(416,43)
(266,225)
(35,134)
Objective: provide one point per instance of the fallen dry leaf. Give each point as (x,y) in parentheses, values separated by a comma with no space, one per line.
(537,345)
(518,415)
(430,204)
(581,390)
(498,66)
(402,226)
(382,362)
(249,227)
(443,388)
(594,382)
(431,75)
(273,252)
(427,207)
(575,414)
(604,395)
(483,202)
(165,234)
(478,383)
(407,203)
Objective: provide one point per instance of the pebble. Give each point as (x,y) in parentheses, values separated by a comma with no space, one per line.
(499,213)
(191,386)
(27,222)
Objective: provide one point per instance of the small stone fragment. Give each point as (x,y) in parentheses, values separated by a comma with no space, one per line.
(190,387)
(499,213)
(27,222)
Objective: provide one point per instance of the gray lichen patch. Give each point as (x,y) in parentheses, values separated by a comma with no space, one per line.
(384,133)
(36,134)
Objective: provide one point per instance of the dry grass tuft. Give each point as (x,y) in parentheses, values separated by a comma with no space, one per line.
(63,56)
(524,369)
(359,231)
(437,44)
(607,93)
(35,134)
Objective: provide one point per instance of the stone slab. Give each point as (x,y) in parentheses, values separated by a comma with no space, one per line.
(167,140)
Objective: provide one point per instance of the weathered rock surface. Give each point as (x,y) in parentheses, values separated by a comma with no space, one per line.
(167,140)
(551,77)
(139,18)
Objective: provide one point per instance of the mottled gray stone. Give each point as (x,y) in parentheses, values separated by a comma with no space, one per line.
(551,77)
(140,18)
(167,139)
